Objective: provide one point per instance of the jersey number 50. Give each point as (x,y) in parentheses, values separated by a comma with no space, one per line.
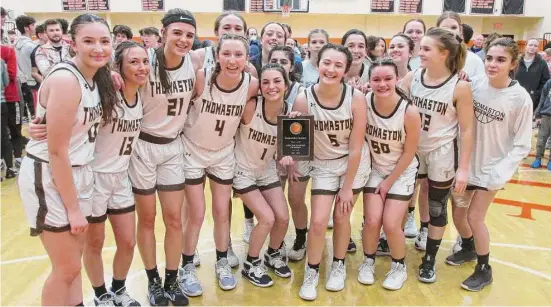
(380,147)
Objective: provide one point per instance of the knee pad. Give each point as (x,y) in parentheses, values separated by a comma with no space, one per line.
(438,206)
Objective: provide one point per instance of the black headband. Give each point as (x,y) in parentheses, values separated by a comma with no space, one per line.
(179,18)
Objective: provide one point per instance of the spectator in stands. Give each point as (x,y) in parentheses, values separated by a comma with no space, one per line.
(468,33)
(64,23)
(13,109)
(121,34)
(55,50)
(533,71)
(151,37)
(298,58)
(3,14)
(478,43)
(547,58)
(24,47)
(12,35)
(6,150)
(42,39)
(489,40)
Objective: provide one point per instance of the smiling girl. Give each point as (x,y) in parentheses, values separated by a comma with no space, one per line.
(358,75)
(415,29)
(317,38)
(271,35)
(56,182)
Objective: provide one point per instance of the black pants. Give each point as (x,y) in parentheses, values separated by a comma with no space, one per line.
(14,124)
(28,99)
(6,150)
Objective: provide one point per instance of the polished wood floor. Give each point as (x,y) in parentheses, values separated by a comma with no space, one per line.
(519,223)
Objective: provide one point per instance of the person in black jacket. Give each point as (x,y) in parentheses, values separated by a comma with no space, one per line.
(532,72)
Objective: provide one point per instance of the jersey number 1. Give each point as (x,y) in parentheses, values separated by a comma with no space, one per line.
(175,104)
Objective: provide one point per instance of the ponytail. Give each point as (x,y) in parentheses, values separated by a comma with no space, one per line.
(446,40)
(160,66)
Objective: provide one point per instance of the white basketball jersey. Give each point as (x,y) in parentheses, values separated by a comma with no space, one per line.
(255,143)
(214,117)
(164,115)
(503,131)
(117,139)
(439,124)
(85,125)
(386,136)
(364,73)
(310,74)
(332,126)
(210,59)
(291,96)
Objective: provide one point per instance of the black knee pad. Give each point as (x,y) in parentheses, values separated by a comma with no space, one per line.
(438,206)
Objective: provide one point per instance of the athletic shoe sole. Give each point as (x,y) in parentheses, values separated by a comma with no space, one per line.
(334,289)
(257,284)
(307,298)
(459,262)
(429,280)
(395,289)
(477,289)
(279,274)
(366,283)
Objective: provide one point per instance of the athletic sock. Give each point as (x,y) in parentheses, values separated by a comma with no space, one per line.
(401,260)
(170,278)
(99,291)
(483,259)
(153,274)
(432,248)
(220,255)
(337,259)
(301,236)
(371,256)
(314,266)
(271,250)
(424,224)
(467,243)
(250,259)
(116,284)
(411,209)
(248,213)
(186,259)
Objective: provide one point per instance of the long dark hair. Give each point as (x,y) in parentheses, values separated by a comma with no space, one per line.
(278,67)
(218,68)
(388,62)
(160,66)
(293,75)
(102,78)
(339,48)
(353,32)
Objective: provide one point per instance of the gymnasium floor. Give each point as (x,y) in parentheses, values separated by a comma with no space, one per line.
(519,223)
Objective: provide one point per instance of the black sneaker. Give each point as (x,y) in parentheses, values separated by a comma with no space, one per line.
(277,263)
(256,274)
(383,249)
(427,272)
(481,277)
(11,173)
(351,246)
(122,298)
(175,295)
(460,257)
(156,293)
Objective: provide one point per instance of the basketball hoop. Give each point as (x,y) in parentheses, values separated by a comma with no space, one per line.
(285,11)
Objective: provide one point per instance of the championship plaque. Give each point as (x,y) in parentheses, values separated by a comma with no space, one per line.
(295,137)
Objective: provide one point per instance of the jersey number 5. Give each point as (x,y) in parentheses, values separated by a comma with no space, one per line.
(425,121)
(126,148)
(333,140)
(220,126)
(380,147)
(175,104)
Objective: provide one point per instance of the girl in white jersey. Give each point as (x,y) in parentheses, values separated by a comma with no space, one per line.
(157,162)
(341,163)
(112,189)
(358,75)
(296,192)
(444,102)
(392,134)
(317,38)
(56,182)
(214,115)
(503,133)
(415,29)
(256,179)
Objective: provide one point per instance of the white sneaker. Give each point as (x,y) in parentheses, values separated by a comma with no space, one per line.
(226,280)
(308,290)
(410,230)
(232,257)
(248,229)
(298,253)
(421,240)
(366,275)
(196,259)
(330,224)
(189,283)
(337,276)
(457,246)
(107,299)
(396,277)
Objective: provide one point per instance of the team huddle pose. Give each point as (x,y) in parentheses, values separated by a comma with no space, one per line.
(112,135)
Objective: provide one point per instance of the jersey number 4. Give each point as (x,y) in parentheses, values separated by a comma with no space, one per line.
(220,126)
(126,148)
(380,147)
(175,106)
